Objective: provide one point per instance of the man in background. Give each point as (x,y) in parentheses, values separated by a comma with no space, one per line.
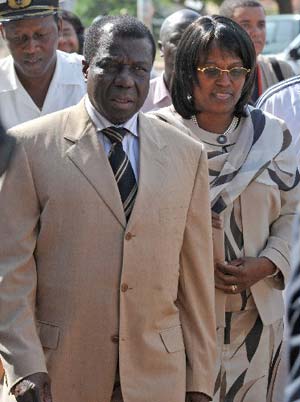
(170,34)
(250,15)
(36,78)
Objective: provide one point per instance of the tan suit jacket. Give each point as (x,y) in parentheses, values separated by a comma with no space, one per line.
(99,289)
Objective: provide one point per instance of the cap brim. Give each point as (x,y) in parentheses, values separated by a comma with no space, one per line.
(29,14)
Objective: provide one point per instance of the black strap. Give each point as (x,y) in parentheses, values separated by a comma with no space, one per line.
(277,69)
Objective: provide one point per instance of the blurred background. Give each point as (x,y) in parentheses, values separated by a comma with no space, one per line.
(283,20)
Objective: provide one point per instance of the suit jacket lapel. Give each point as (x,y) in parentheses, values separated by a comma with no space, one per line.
(153,160)
(89,157)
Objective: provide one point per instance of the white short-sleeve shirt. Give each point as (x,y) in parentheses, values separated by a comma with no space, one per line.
(283,100)
(67,87)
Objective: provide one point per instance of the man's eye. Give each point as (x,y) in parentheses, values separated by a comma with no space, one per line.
(245,25)
(174,41)
(17,40)
(107,66)
(140,70)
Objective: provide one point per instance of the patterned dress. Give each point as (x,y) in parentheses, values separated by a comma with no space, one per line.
(248,349)
(292,391)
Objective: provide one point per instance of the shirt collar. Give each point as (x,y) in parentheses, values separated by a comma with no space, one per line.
(100,122)
(161,91)
(9,80)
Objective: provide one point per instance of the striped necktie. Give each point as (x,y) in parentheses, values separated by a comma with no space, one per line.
(122,168)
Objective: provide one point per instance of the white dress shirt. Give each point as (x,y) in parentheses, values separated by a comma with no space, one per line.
(283,100)
(158,95)
(67,87)
(130,142)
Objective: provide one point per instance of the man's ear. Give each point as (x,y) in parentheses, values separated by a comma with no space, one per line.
(2,31)
(59,26)
(85,67)
(161,48)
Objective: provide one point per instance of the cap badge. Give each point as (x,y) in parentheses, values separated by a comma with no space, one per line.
(19,3)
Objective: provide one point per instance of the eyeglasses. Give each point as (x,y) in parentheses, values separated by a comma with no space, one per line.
(235,73)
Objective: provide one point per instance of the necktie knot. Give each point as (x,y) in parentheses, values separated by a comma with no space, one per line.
(115,134)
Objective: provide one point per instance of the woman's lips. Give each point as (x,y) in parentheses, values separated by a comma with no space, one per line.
(222,96)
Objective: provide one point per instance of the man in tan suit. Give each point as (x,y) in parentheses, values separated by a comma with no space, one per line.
(107,301)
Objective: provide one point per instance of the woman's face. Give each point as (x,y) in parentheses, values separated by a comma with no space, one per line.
(218,95)
(68,41)
(253,20)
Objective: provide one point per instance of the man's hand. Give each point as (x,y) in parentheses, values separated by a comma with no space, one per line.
(196,397)
(34,388)
(241,274)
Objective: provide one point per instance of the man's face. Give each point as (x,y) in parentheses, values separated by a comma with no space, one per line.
(118,77)
(169,43)
(33,43)
(253,20)
(68,41)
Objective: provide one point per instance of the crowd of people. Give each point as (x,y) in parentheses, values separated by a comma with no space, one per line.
(148,227)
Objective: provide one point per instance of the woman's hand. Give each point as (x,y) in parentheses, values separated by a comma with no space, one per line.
(242,273)
(217,221)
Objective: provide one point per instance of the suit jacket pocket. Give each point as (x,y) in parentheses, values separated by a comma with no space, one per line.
(172,339)
(48,333)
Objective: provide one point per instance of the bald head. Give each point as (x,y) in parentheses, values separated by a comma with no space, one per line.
(170,34)
(180,19)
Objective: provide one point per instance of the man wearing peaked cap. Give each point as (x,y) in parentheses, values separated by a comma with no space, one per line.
(36,78)
(20,9)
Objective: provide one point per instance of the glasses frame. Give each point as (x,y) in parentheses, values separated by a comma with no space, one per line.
(221,70)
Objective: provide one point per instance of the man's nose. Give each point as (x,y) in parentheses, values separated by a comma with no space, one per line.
(254,32)
(124,77)
(31,45)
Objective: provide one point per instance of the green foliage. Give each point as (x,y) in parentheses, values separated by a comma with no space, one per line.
(87,10)
(218,2)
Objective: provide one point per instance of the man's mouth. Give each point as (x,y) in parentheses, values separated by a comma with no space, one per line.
(32,61)
(122,100)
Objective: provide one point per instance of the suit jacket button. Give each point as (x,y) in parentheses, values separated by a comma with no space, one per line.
(124,287)
(115,338)
(128,236)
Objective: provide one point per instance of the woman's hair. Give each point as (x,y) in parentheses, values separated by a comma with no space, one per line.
(193,51)
(77,25)
(228,6)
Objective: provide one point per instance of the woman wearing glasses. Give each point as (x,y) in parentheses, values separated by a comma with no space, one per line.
(254,192)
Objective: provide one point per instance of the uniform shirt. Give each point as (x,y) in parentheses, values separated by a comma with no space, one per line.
(130,142)
(67,87)
(158,95)
(283,100)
